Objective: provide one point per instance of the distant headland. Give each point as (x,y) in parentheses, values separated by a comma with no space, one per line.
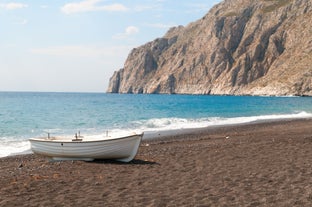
(240,47)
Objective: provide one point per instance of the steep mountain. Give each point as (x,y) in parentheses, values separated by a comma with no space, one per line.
(240,47)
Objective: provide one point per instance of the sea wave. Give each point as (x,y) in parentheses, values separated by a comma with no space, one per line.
(152,128)
(13,147)
(182,123)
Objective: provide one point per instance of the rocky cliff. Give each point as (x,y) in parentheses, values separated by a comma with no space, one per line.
(241,47)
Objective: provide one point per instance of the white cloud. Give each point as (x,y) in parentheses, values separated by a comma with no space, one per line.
(129,31)
(13,5)
(82,51)
(91,5)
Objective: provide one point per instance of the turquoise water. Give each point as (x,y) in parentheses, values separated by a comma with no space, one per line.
(26,114)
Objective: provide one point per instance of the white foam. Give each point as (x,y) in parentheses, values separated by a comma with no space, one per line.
(176,123)
(8,148)
(168,126)
(153,128)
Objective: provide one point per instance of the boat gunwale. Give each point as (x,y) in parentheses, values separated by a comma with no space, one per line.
(81,141)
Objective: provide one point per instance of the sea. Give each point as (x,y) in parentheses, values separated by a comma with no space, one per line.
(35,114)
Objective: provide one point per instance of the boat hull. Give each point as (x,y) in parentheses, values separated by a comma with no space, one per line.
(122,149)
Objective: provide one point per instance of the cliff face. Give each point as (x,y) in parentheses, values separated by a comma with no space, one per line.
(241,47)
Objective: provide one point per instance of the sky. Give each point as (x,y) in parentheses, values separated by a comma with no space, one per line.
(76,45)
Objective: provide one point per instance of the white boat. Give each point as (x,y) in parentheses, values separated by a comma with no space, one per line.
(122,148)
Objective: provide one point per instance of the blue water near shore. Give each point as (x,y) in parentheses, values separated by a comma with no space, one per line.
(30,114)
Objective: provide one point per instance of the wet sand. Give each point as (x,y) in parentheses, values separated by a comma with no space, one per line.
(256,164)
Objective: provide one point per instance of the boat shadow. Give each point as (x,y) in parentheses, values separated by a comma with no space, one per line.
(132,162)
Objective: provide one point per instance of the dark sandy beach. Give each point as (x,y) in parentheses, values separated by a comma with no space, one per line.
(256,164)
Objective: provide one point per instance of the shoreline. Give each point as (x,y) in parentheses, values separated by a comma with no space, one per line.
(161,134)
(173,126)
(191,133)
(165,133)
(252,164)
